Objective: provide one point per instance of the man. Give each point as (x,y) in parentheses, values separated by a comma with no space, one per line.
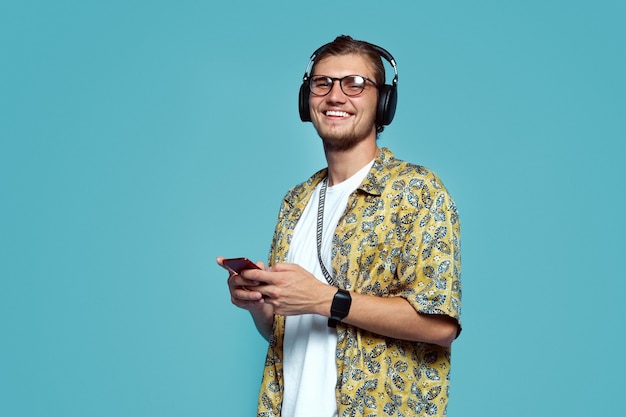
(361,300)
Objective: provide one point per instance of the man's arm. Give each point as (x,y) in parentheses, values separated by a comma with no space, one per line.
(395,317)
(291,290)
(264,320)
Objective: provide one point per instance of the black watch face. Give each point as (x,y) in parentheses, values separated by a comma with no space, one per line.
(341,304)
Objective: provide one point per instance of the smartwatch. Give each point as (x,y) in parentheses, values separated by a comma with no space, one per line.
(340,307)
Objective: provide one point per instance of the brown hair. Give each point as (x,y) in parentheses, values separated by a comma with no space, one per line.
(345,45)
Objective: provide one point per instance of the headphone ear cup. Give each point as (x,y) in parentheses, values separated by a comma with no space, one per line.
(303,102)
(387,101)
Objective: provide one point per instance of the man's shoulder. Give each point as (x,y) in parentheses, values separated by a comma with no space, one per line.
(389,170)
(387,160)
(303,189)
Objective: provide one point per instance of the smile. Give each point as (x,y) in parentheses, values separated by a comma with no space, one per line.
(336,113)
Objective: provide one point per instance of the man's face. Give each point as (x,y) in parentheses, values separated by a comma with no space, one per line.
(341,121)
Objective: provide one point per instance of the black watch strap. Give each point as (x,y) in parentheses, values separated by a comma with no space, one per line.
(340,307)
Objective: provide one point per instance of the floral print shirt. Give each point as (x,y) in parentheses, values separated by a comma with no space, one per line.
(399,237)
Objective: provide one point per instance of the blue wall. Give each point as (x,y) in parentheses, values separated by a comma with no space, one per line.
(141,139)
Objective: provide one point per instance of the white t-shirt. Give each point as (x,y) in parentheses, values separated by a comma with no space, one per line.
(310,372)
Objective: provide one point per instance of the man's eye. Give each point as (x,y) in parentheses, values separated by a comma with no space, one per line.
(321,82)
(354,87)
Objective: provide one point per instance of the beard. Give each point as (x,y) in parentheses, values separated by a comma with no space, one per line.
(341,141)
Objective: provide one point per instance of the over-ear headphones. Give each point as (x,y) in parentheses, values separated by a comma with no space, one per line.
(387,94)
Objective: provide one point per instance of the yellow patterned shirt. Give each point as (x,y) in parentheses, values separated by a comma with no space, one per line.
(399,237)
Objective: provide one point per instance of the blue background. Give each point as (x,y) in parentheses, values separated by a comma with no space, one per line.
(141,139)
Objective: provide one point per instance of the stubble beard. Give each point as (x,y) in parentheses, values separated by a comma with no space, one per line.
(341,141)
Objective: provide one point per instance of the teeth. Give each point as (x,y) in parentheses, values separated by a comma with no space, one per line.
(337,113)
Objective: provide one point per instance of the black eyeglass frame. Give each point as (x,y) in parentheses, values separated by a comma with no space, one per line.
(333,79)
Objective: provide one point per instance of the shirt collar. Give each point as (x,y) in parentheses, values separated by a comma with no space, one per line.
(376,179)
(374,182)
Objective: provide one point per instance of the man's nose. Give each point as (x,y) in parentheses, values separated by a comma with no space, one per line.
(336,93)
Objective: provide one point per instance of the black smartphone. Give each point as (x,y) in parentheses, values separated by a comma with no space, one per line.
(236,265)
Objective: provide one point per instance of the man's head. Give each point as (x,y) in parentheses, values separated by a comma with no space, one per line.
(363,103)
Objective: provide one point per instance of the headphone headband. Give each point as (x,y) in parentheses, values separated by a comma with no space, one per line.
(381,51)
(388,94)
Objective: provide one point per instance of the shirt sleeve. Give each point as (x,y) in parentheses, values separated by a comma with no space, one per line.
(430,265)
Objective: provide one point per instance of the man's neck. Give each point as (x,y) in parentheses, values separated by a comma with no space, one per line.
(344,164)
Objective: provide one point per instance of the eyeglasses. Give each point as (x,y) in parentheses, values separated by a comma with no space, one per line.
(351,85)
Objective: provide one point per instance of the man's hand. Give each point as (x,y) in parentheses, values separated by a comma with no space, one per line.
(244,294)
(291,290)
(242,291)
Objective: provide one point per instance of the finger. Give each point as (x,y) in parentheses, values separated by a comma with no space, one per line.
(237,280)
(250,305)
(243,294)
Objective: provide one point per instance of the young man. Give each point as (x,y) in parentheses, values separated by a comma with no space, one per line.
(361,300)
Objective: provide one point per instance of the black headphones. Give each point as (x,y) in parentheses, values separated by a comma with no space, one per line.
(387,98)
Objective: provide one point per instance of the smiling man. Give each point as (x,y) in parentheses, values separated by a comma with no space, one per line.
(361,298)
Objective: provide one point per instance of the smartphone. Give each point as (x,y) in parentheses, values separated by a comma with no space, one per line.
(236,265)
